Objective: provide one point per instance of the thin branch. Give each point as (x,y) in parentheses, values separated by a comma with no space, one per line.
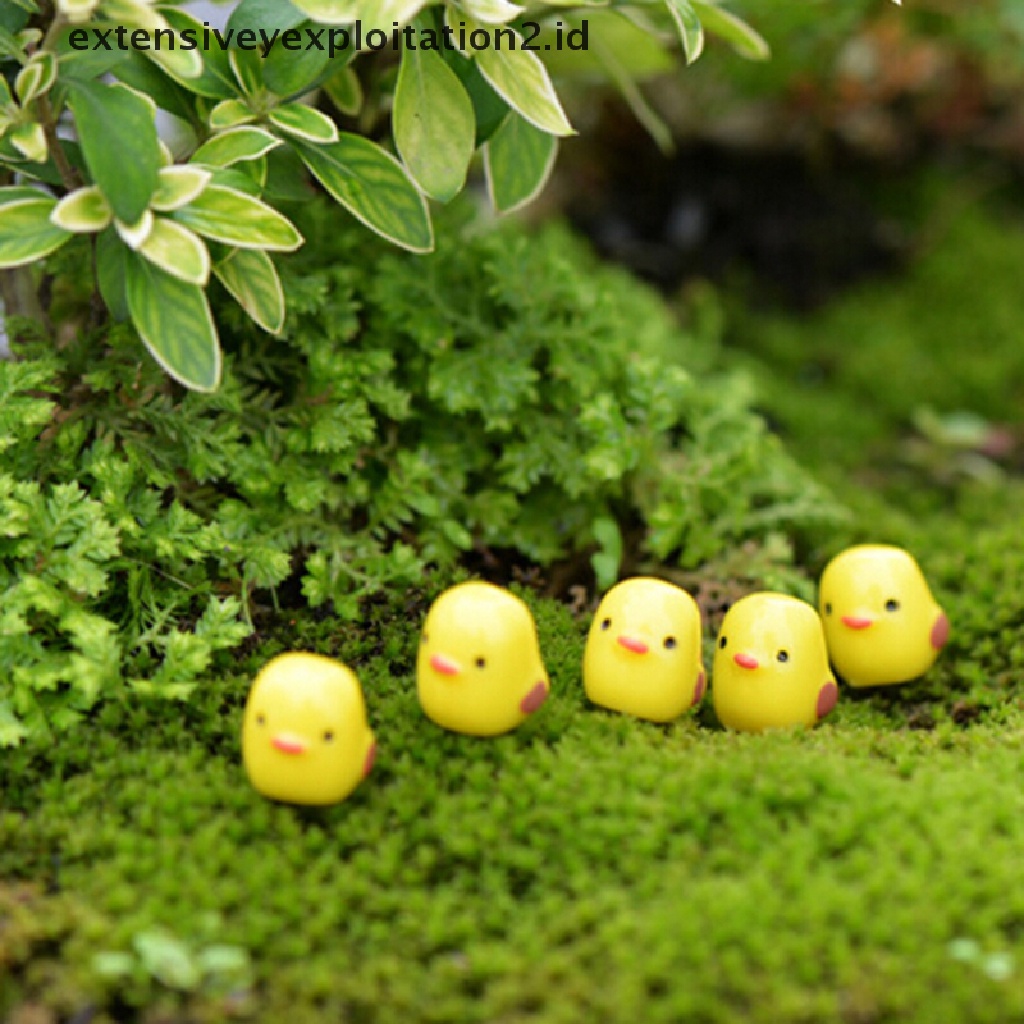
(68,175)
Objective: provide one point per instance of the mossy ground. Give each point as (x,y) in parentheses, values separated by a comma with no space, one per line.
(590,867)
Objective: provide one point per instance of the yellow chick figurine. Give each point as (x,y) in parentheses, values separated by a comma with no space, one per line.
(771,666)
(643,653)
(305,738)
(479,669)
(882,624)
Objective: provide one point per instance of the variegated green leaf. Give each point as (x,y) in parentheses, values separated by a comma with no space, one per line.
(433,123)
(234,145)
(246,66)
(492,12)
(370,14)
(691,32)
(518,159)
(737,33)
(26,231)
(84,211)
(177,186)
(519,77)
(29,38)
(133,235)
(269,15)
(345,91)
(173,319)
(217,81)
(36,77)
(77,11)
(16,193)
(134,14)
(29,140)
(112,258)
(372,185)
(172,247)
(304,122)
(291,73)
(251,278)
(180,63)
(227,215)
(229,113)
(117,131)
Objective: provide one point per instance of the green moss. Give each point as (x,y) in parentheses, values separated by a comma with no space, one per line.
(587,866)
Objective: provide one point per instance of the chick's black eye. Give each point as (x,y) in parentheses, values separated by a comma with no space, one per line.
(424,638)
(722,641)
(670,643)
(261,719)
(328,736)
(782,656)
(606,624)
(828,608)
(892,605)
(480,662)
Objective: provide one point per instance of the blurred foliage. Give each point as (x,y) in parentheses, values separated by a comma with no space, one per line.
(884,80)
(919,380)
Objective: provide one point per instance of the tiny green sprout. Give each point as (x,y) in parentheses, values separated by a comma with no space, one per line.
(177,964)
(964,950)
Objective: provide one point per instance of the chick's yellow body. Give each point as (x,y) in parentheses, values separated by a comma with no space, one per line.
(479,670)
(643,652)
(882,624)
(771,667)
(305,738)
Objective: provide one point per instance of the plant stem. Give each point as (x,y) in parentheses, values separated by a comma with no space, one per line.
(53,32)
(68,175)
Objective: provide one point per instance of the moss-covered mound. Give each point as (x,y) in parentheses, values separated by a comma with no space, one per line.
(587,866)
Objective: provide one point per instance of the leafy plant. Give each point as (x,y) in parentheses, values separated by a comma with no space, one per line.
(161,224)
(506,393)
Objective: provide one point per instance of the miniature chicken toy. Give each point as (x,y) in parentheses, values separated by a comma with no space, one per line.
(305,739)
(771,666)
(479,669)
(643,653)
(882,624)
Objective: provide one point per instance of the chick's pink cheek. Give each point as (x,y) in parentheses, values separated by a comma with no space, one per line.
(371,756)
(940,631)
(828,697)
(698,690)
(534,699)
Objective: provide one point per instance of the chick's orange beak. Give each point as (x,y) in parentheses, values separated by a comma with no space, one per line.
(631,644)
(446,666)
(288,743)
(857,621)
(745,660)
